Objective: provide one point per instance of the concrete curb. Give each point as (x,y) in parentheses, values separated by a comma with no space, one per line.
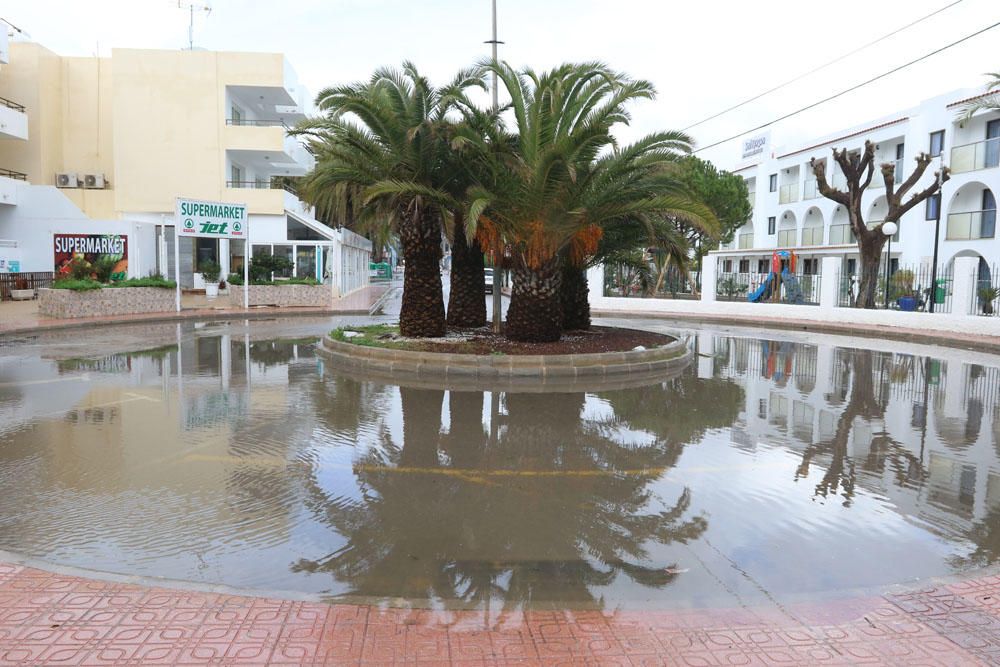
(570,372)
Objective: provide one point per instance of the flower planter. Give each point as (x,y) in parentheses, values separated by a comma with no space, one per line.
(211,290)
(109,302)
(284,296)
(22,294)
(907,303)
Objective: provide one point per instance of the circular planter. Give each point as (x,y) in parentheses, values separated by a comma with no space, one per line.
(543,372)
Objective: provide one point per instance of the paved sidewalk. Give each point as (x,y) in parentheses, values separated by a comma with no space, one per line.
(55,619)
(19,316)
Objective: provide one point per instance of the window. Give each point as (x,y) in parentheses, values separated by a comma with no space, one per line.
(205,250)
(727,266)
(852,266)
(771,224)
(237,115)
(773,183)
(744,266)
(899,151)
(809,266)
(937,143)
(933,207)
(762,266)
(235,175)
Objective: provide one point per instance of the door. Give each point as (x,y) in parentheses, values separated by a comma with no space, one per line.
(988,224)
(992,143)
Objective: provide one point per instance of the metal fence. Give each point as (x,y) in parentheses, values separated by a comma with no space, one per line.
(25,280)
(802,289)
(646,282)
(908,288)
(986,299)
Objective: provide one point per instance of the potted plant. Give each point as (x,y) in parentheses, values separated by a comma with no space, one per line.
(901,286)
(21,291)
(210,274)
(987,295)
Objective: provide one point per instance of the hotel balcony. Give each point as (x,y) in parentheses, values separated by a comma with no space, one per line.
(811,190)
(8,186)
(746,241)
(786,238)
(788,193)
(975,156)
(971,225)
(13,120)
(841,235)
(812,235)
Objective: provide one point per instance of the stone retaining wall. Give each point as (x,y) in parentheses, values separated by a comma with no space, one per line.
(545,372)
(109,302)
(316,296)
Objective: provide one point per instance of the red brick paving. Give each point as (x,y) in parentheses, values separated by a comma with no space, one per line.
(54,619)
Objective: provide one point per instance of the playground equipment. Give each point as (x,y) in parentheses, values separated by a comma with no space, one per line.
(782,273)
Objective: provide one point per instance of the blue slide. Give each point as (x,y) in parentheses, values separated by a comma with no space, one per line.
(793,291)
(762,292)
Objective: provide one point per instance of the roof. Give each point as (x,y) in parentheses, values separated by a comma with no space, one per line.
(973,98)
(315,225)
(847,136)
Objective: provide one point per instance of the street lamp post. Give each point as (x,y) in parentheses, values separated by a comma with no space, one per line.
(498,249)
(937,234)
(888,228)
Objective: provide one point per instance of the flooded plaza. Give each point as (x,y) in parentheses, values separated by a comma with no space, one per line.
(775,468)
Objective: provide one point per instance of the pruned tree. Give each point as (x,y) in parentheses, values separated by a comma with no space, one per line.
(859,169)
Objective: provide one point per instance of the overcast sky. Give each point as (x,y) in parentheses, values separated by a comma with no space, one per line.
(702,56)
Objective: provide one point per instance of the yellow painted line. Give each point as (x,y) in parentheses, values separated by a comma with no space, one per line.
(132,399)
(76,378)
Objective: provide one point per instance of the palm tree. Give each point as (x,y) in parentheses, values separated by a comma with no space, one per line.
(987,102)
(550,194)
(381,151)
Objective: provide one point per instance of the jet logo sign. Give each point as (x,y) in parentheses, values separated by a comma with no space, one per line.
(219,220)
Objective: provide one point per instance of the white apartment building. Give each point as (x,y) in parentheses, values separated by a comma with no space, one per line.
(789,213)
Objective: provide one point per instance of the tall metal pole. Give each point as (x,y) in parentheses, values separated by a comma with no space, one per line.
(498,249)
(937,235)
(888,261)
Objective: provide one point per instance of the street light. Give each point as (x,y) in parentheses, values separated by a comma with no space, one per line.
(889,229)
(498,250)
(937,232)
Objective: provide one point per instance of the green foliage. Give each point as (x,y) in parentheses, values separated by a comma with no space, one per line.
(263,266)
(77,284)
(901,284)
(103,267)
(375,335)
(723,192)
(210,271)
(149,281)
(235,279)
(730,287)
(80,269)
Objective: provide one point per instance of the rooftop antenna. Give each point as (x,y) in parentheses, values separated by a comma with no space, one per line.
(16,29)
(191,6)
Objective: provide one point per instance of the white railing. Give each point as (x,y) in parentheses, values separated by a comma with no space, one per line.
(788,193)
(839,182)
(841,235)
(746,241)
(812,236)
(811,190)
(786,238)
(972,225)
(975,156)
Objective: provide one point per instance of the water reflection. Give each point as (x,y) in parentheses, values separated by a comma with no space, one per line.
(224,453)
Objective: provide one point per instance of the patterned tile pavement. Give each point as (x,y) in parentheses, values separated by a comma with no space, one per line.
(54,619)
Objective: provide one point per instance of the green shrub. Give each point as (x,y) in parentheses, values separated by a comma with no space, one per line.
(235,279)
(151,281)
(80,269)
(210,271)
(77,285)
(263,266)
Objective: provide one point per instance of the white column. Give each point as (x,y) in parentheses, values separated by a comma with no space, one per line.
(706,355)
(829,282)
(595,285)
(963,289)
(709,277)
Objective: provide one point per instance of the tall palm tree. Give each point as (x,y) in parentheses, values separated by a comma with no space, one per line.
(988,102)
(381,149)
(552,192)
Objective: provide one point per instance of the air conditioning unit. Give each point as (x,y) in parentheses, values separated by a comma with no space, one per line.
(94,181)
(67,180)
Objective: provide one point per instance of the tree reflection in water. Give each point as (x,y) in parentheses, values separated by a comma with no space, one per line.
(542,506)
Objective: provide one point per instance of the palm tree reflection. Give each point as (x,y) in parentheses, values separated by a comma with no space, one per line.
(552,505)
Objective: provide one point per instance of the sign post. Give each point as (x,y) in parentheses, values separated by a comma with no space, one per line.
(216,220)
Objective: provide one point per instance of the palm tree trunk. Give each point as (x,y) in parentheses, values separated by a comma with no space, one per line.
(422,312)
(575,294)
(871,256)
(535,313)
(467,301)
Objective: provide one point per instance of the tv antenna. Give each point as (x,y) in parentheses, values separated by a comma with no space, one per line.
(191,7)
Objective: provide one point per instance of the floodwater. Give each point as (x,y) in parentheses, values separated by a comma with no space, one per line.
(229,453)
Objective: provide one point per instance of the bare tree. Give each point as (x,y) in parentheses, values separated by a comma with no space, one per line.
(859,169)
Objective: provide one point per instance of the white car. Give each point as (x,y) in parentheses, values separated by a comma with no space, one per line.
(488,275)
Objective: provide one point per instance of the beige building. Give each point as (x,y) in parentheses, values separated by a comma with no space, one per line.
(114,140)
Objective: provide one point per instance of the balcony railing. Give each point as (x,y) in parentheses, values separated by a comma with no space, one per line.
(254,185)
(746,241)
(972,225)
(812,236)
(841,235)
(786,238)
(788,193)
(13,174)
(256,123)
(811,190)
(11,105)
(839,182)
(975,156)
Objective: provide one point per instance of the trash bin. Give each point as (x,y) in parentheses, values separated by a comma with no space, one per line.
(941,290)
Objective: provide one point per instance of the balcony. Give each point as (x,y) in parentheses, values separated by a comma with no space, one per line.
(975,156)
(839,182)
(811,190)
(812,236)
(746,241)
(788,193)
(841,235)
(247,122)
(16,175)
(13,120)
(786,238)
(971,225)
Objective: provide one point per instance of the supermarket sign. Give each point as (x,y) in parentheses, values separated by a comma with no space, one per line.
(212,219)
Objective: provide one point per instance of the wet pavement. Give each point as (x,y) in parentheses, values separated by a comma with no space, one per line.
(787,498)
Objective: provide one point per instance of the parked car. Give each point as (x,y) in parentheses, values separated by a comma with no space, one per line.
(488,274)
